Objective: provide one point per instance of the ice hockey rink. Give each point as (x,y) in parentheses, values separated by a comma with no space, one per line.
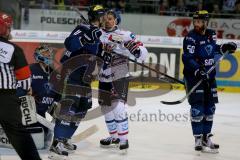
(154,136)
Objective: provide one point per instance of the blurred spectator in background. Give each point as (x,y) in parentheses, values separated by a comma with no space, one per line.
(120,6)
(199,6)
(179,9)
(192,5)
(228,6)
(110,4)
(60,4)
(237,9)
(216,11)
(44,4)
(164,7)
(78,3)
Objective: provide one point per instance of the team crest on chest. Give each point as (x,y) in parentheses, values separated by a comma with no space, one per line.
(209,49)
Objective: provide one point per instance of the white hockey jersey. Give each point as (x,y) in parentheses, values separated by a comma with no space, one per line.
(118,68)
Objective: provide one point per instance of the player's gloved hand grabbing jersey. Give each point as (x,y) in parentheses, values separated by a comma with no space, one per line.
(106,55)
(229,47)
(133,47)
(91,36)
(201,74)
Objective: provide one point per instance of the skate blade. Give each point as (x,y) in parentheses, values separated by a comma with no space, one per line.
(109,146)
(209,150)
(70,151)
(54,156)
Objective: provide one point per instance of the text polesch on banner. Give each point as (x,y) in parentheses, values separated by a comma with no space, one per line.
(50,20)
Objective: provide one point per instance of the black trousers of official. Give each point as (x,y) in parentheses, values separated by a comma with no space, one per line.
(11,121)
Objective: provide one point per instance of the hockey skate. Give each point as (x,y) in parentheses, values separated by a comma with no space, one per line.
(109,142)
(198,143)
(123,146)
(69,146)
(58,151)
(208,145)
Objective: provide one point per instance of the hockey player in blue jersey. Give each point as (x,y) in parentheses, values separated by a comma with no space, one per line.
(41,89)
(199,49)
(84,39)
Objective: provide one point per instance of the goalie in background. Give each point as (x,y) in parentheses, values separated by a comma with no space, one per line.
(199,49)
(41,90)
(13,68)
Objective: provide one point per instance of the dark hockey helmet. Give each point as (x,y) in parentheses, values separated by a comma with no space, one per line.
(202,14)
(95,12)
(43,54)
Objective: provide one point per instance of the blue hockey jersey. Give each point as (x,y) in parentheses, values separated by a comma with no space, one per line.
(41,89)
(199,51)
(75,48)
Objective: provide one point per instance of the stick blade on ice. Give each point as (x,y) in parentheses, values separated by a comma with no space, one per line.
(171,103)
(85,134)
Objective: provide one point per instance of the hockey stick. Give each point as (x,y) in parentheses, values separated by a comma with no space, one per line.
(85,134)
(45,122)
(134,61)
(158,72)
(195,87)
(29,102)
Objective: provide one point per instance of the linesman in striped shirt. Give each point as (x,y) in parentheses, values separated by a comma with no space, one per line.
(13,68)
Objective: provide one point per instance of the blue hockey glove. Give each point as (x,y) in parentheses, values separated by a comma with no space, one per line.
(229,47)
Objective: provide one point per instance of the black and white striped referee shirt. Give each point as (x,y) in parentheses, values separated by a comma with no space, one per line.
(13,66)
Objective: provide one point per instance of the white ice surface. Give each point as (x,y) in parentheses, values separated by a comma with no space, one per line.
(157,139)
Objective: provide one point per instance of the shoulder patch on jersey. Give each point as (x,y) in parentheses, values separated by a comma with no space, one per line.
(6,52)
(132,35)
(188,38)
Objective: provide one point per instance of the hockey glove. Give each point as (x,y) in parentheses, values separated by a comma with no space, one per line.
(53,107)
(91,36)
(108,47)
(106,57)
(201,74)
(106,54)
(229,47)
(133,47)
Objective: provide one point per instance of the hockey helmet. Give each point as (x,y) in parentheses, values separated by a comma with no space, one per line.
(6,22)
(41,56)
(95,12)
(202,14)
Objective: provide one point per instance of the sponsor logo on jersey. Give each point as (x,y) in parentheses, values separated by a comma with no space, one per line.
(37,77)
(202,42)
(209,62)
(2,52)
(47,100)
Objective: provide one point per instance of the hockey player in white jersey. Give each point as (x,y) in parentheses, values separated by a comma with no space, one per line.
(113,78)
